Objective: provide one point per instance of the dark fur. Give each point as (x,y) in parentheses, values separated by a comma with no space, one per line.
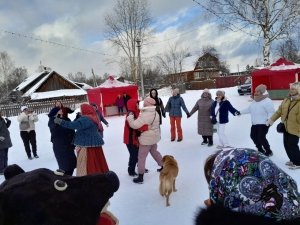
(218,215)
(31,199)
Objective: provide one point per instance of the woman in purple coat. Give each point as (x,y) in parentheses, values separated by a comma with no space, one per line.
(120,104)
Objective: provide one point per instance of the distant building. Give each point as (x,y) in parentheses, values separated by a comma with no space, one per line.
(47,85)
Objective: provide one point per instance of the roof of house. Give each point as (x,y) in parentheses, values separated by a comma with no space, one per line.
(31,86)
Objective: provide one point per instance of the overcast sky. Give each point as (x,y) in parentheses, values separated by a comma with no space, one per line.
(80,24)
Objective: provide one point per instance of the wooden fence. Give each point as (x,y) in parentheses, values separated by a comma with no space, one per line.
(38,107)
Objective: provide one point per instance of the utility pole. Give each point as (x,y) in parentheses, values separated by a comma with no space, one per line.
(138,45)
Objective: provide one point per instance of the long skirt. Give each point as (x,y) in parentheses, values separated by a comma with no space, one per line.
(90,160)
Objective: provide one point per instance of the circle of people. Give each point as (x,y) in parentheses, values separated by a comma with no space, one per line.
(142,133)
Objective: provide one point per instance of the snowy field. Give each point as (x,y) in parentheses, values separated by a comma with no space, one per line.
(141,204)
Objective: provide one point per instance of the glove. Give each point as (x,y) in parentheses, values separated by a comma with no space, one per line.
(164,115)
(57,120)
(107,125)
(269,122)
(237,113)
(2,138)
(188,115)
(143,128)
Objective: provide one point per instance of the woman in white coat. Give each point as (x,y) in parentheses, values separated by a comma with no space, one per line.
(148,139)
(261,109)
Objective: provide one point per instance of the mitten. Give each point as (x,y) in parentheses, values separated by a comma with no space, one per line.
(107,125)
(237,113)
(188,115)
(164,115)
(2,138)
(57,120)
(144,128)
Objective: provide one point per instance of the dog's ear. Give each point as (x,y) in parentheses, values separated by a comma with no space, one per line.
(164,158)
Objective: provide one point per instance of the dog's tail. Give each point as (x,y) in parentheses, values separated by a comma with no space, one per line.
(165,187)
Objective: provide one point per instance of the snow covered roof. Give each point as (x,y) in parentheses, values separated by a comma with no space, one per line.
(83,85)
(57,93)
(29,80)
(112,82)
(30,86)
(282,64)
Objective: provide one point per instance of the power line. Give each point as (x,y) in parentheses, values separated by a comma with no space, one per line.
(54,43)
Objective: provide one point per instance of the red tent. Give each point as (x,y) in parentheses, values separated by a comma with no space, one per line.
(105,95)
(277,77)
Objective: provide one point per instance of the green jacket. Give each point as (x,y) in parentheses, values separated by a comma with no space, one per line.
(292,123)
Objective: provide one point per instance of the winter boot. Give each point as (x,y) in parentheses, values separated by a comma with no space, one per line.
(131,172)
(139,179)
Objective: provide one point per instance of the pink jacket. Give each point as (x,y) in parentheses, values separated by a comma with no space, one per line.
(148,116)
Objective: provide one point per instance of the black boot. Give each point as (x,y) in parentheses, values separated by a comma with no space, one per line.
(131,172)
(139,179)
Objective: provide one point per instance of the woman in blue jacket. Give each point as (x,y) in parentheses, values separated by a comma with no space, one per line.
(219,112)
(174,105)
(88,142)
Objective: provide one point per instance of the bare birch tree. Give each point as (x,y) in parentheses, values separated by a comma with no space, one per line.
(274,18)
(129,20)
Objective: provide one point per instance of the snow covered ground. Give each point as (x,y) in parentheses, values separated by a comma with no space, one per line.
(136,204)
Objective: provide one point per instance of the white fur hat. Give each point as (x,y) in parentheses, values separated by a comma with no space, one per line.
(23,108)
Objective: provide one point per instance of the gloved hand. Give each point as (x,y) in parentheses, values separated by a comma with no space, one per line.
(2,138)
(57,120)
(107,125)
(237,113)
(269,122)
(164,115)
(188,115)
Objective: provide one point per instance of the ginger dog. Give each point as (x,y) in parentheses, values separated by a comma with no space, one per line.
(167,177)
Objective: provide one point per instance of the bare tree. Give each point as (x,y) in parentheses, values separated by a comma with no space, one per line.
(172,60)
(17,76)
(274,18)
(289,50)
(129,20)
(6,67)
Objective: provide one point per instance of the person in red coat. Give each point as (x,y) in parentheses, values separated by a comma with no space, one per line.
(130,137)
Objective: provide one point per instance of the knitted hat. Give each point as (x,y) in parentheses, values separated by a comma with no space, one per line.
(23,108)
(149,102)
(206,90)
(261,88)
(220,92)
(296,85)
(176,91)
(89,111)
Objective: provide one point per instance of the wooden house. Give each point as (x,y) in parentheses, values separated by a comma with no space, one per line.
(47,86)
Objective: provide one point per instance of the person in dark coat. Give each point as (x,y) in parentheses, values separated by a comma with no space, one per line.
(61,139)
(126,97)
(205,127)
(101,119)
(160,109)
(120,104)
(130,137)
(5,142)
(219,111)
(88,142)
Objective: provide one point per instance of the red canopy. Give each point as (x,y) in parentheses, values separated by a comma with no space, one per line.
(282,62)
(105,95)
(278,76)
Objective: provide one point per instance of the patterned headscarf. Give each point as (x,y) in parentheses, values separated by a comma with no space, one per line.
(88,111)
(245,180)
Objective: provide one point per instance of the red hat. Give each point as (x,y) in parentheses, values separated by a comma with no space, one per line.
(89,111)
